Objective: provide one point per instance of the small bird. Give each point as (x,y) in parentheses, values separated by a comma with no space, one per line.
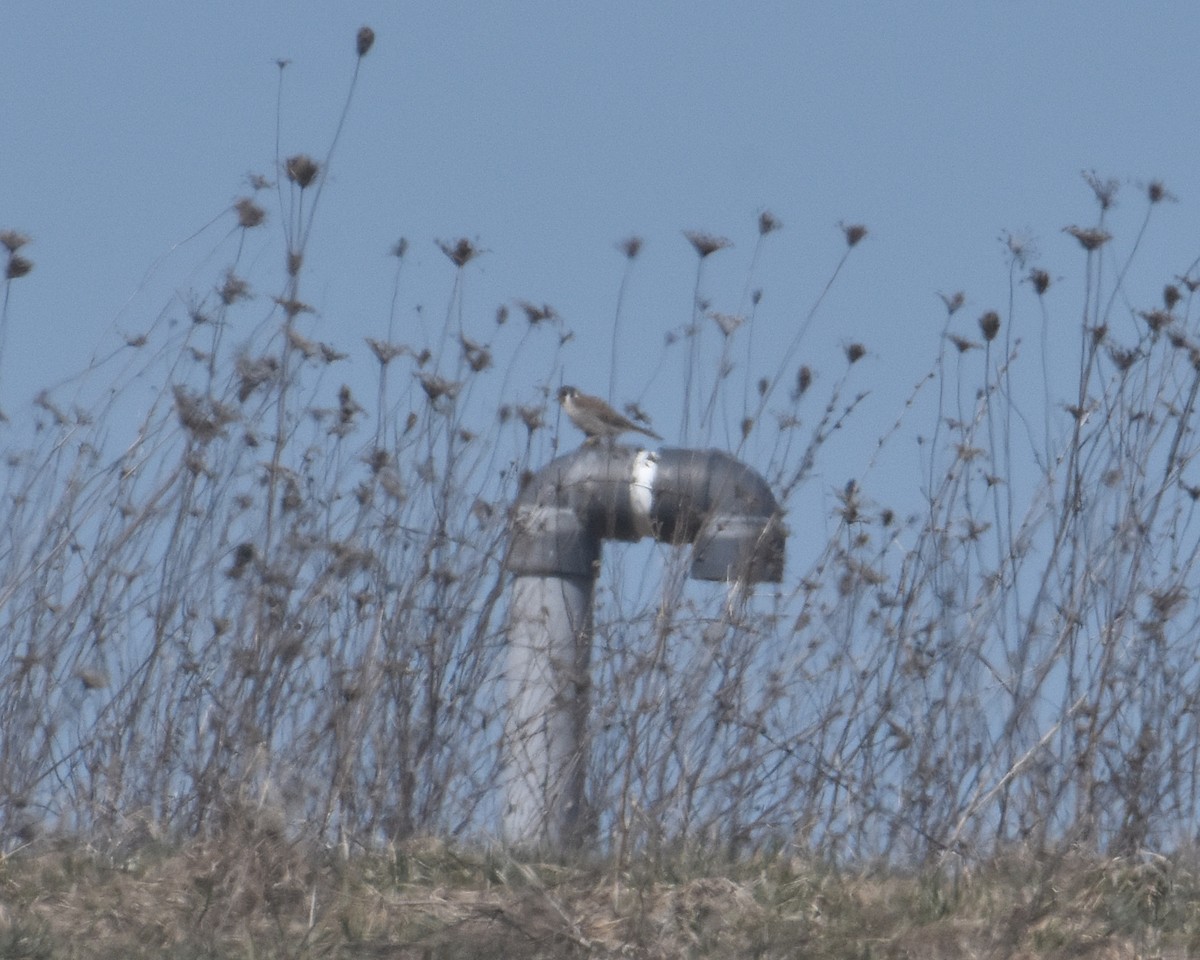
(595,417)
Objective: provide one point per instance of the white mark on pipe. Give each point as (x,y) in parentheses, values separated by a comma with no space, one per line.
(641,490)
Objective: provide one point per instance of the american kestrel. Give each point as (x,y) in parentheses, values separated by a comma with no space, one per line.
(595,417)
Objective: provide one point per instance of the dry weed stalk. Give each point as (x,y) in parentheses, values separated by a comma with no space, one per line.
(276,604)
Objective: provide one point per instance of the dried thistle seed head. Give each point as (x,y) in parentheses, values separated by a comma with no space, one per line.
(377,459)
(768,223)
(92,678)
(435,386)
(706,243)
(308,347)
(1090,238)
(393,484)
(1040,280)
(501,315)
(253,372)
(385,352)
(1105,190)
(855,352)
(747,426)
(250,214)
(478,356)
(201,416)
(727,322)
(244,554)
(634,411)
(301,169)
(291,499)
(330,354)
(400,248)
(850,500)
(804,378)
(1157,192)
(854,232)
(1166,603)
(234,289)
(535,314)
(531,416)
(962,344)
(1020,247)
(631,247)
(18,266)
(364,40)
(293,307)
(295,260)
(461,252)
(953,301)
(13,240)
(989,325)
(1171,296)
(1156,319)
(348,407)
(1122,359)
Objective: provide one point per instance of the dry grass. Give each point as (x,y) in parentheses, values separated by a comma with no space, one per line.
(252,895)
(263,619)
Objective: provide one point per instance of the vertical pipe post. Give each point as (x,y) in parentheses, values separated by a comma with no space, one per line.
(548,687)
(563,514)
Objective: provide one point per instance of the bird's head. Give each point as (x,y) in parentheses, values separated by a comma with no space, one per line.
(566,393)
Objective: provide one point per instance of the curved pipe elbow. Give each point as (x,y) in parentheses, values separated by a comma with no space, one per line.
(703,497)
(725,510)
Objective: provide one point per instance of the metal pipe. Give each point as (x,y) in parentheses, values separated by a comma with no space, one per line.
(703,497)
(549,653)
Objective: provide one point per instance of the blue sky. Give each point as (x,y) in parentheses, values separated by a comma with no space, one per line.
(549,131)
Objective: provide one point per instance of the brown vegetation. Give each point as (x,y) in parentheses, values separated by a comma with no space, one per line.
(253,894)
(251,634)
